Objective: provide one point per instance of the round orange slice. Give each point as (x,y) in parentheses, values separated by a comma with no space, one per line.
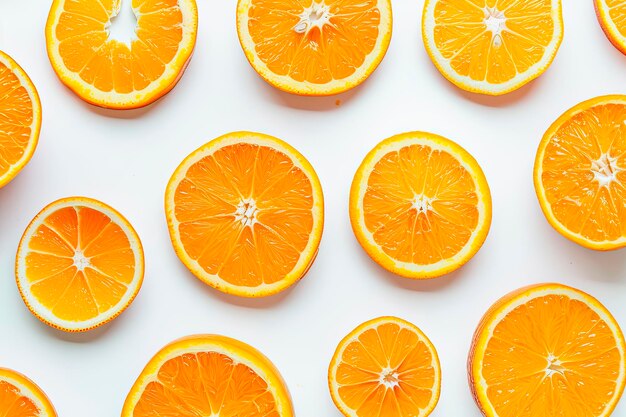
(20,119)
(386,367)
(121,74)
(209,375)
(492,47)
(420,205)
(547,350)
(79,264)
(21,397)
(612,17)
(314,47)
(245,214)
(580,173)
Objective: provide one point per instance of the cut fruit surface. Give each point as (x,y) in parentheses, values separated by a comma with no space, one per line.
(20,118)
(492,46)
(79,264)
(580,173)
(20,397)
(245,214)
(386,367)
(612,17)
(547,350)
(314,47)
(126,73)
(209,375)
(420,205)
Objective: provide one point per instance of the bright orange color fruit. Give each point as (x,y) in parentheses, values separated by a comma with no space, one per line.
(612,17)
(209,375)
(245,214)
(580,173)
(314,47)
(420,205)
(79,264)
(386,367)
(547,350)
(118,74)
(20,118)
(20,397)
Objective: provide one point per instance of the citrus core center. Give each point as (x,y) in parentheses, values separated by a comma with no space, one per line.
(605,170)
(422,204)
(317,15)
(80,260)
(554,366)
(246,212)
(123,24)
(495,22)
(389,378)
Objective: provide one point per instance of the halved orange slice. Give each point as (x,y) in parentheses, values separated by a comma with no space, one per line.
(209,375)
(386,367)
(547,350)
(79,264)
(420,205)
(580,173)
(492,46)
(21,397)
(245,214)
(314,47)
(116,74)
(20,118)
(612,17)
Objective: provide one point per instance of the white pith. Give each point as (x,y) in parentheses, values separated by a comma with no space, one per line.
(317,15)
(495,22)
(605,170)
(613,31)
(122,24)
(246,212)
(44,410)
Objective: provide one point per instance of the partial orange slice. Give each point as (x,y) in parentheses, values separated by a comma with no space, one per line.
(117,74)
(580,173)
(20,118)
(79,264)
(314,47)
(245,214)
(612,17)
(492,46)
(547,350)
(420,205)
(209,375)
(386,367)
(21,397)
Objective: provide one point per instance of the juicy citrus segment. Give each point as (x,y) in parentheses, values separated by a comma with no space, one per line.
(386,367)
(209,375)
(547,350)
(79,264)
(580,173)
(245,214)
(20,118)
(20,397)
(314,47)
(492,46)
(612,17)
(420,205)
(112,73)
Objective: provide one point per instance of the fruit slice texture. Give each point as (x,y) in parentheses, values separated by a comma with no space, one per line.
(612,17)
(116,74)
(245,214)
(386,367)
(79,264)
(547,350)
(492,46)
(580,173)
(209,375)
(314,47)
(420,205)
(20,397)
(20,119)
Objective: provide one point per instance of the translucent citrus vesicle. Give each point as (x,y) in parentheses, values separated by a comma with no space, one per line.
(21,397)
(612,17)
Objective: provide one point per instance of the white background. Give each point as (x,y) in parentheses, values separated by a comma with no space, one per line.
(126,158)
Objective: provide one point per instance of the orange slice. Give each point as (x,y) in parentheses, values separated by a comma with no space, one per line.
(420,205)
(386,367)
(209,375)
(492,46)
(245,214)
(314,47)
(612,17)
(117,74)
(20,119)
(79,264)
(547,350)
(20,397)
(580,173)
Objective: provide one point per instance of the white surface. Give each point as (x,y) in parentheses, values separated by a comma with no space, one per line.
(125,159)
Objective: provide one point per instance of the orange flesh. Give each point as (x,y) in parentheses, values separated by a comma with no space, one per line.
(583,173)
(14,404)
(552,356)
(420,205)
(245,214)
(334,51)
(83,289)
(617,12)
(206,384)
(386,372)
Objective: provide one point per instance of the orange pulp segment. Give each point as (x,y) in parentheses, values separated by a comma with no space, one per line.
(21,397)
(612,17)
